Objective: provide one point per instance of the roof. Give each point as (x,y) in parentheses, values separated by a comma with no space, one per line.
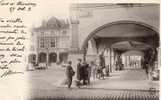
(53,23)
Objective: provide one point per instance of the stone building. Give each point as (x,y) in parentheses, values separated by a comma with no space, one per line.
(93,29)
(114,29)
(50,42)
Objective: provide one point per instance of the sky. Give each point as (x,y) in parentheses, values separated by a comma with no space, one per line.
(58,8)
(45,10)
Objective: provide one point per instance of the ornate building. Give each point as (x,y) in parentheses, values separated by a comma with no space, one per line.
(50,42)
(96,29)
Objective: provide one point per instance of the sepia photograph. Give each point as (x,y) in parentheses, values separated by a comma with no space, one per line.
(103,51)
(62,50)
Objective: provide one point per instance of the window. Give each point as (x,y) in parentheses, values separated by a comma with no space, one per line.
(53,42)
(42,44)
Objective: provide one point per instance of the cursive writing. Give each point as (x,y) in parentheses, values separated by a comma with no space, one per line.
(13,37)
(19,5)
(10,72)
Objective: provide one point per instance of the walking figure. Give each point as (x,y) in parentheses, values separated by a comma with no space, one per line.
(69,73)
(79,73)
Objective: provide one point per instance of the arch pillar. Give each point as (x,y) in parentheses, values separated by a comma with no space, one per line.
(110,55)
(159,56)
(36,58)
(57,58)
(47,59)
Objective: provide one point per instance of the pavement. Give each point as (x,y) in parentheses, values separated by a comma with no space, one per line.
(48,85)
(120,85)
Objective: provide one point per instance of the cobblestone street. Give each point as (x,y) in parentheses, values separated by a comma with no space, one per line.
(92,94)
(47,84)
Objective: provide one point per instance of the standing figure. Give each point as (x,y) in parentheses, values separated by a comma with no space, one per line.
(107,70)
(85,72)
(98,70)
(104,72)
(69,73)
(79,72)
(93,69)
(89,68)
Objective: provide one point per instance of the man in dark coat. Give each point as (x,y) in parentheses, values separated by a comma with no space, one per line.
(69,73)
(85,72)
(79,70)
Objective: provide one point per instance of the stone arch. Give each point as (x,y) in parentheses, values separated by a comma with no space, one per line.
(32,58)
(52,57)
(140,46)
(85,42)
(42,57)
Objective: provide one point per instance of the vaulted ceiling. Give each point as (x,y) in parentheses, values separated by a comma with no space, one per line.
(126,30)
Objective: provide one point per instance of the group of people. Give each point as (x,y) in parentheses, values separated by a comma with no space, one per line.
(84,71)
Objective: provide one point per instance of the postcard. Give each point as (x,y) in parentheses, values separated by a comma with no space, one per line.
(79,50)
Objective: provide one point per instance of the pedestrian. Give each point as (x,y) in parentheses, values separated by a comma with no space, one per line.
(107,70)
(89,68)
(104,72)
(85,72)
(93,69)
(69,73)
(98,72)
(98,75)
(101,72)
(79,72)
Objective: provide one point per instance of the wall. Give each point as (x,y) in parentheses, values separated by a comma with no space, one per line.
(98,17)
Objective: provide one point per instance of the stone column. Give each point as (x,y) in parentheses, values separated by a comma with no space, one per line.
(74,34)
(47,59)
(84,54)
(57,59)
(159,57)
(37,58)
(110,61)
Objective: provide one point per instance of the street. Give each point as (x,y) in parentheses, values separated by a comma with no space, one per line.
(120,85)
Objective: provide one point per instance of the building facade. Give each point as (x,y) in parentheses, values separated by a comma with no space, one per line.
(50,42)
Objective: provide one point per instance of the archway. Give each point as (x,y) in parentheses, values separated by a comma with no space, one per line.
(63,56)
(121,36)
(125,31)
(42,57)
(52,57)
(132,59)
(135,33)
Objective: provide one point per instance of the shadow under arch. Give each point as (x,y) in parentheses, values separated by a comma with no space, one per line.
(42,57)
(52,57)
(142,24)
(131,45)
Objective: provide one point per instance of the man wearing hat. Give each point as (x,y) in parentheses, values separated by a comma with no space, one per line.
(69,73)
